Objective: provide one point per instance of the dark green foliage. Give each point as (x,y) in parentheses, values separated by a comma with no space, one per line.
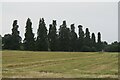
(29,42)
(53,37)
(86,49)
(104,45)
(99,37)
(87,34)
(99,43)
(64,37)
(42,40)
(93,49)
(16,39)
(0,42)
(93,42)
(87,39)
(93,39)
(12,41)
(114,47)
(118,46)
(80,41)
(65,40)
(73,39)
(6,41)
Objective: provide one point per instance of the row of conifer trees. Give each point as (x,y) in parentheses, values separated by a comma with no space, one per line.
(63,39)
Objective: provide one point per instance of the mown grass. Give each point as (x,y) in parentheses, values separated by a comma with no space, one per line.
(59,64)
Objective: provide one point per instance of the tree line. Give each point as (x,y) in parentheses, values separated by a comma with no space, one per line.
(63,39)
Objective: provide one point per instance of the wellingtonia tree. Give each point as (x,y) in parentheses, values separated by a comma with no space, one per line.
(73,38)
(80,40)
(42,40)
(52,36)
(15,38)
(93,42)
(87,41)
(64,37)
(87,37)
(29,41)
(99,37)
(93,39)
(99,43)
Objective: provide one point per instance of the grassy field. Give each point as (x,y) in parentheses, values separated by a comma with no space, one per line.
(28,64)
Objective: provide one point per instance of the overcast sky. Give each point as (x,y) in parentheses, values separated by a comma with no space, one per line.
(97,16)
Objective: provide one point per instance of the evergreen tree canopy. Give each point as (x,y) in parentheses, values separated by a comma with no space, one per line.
(15,31)
(81,32)
(42,39)
(87,41)
(87,34)
(29,42)
(64,37)
(16,39)
(87,37)
(80,41)
(93,42)
(65,40)
(99,43)
(52,36)
(93,38)
(12,41)
(73,39)
(99,37)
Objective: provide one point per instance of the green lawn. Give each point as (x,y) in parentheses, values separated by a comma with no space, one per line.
(17,64)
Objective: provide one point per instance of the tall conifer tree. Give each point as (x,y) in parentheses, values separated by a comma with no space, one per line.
(93,42)
(80,42)
(29,41)
(73,39)
(99,43)
(99,37)
(52,36)
(64,37)
(87,41)
(42,39)
(15,38)
(87,37)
